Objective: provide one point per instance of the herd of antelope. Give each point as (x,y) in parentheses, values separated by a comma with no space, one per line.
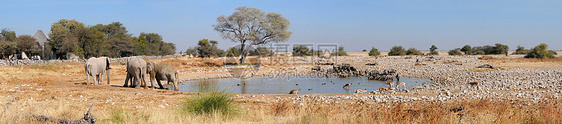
(347,86)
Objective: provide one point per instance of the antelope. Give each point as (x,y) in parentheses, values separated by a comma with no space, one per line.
(383,89)
(294,91)
(390,83)
(472,84)
(401,84)
(360,91)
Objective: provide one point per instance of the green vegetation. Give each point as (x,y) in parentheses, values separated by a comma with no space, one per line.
(113,40)
(374,52)
(479,52)
(340,52)
(432,50)
(540,51)
(521,50)
(208,103)
(413,51)
(251,26)
(486,50)
(261,51)
(233,52)
(397,51)
(118,115)
(208,48)
(304,51)
(455,52)
(467,50)
(191,51)
(301,51)
(10,44)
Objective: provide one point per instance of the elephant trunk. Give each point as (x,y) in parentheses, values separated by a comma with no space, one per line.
(108,73)
(176,81)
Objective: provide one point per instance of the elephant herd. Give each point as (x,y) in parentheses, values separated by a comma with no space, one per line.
(137,68)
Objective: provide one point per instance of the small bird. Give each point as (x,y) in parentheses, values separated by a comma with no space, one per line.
(237,84)
(309,89)
(297,84)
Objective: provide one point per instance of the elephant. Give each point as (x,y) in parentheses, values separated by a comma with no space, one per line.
(163,71)
(136,71)
(97,67)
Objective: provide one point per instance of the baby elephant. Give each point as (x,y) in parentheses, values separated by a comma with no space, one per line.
(162,71)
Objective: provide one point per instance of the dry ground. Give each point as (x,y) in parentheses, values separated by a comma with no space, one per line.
(57,90)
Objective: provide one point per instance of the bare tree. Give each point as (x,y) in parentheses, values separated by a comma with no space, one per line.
(251,26)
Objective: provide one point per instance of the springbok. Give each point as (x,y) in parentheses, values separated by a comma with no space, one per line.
(390,83)
(472,84)
(294,91)
(360,91)
(383,89)
(401,84)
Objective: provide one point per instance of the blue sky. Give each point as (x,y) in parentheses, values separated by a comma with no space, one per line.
(356,25)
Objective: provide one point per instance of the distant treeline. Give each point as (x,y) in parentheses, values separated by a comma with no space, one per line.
(72,37)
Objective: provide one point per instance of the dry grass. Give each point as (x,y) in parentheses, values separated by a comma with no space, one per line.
(50,90)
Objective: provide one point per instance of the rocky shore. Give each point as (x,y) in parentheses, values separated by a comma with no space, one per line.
(453,77)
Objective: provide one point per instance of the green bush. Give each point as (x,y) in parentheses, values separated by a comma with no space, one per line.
(540,51)
(479,52)
(432,50)
(413,51)
(521,50)
(374,52)
(397,51)
(487,49)
(261,51)
(208,103)
(301,51)
(467,50)
(340,52)
(455,52)
(233,52)
(118,115)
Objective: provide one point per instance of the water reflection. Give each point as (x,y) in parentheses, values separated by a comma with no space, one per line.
(283,85)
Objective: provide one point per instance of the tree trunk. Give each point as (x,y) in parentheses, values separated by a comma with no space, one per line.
(87,119)
(244,53)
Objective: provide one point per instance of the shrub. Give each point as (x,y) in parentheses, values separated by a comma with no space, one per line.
(432,50)
(455,52)
(208,48)
(479,52)
(540,51)
(413,51)
(467,50)
(191,51)
(261,51)
(340,52)
(301,51)
(208,103)
(374,52)
(233,52)
(397,51)
(521,50)
(487,49)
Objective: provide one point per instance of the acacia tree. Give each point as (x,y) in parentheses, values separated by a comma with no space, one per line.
(251,26)
(25,43)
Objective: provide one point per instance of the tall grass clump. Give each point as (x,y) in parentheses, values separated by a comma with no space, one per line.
(117,115)
(209,104)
